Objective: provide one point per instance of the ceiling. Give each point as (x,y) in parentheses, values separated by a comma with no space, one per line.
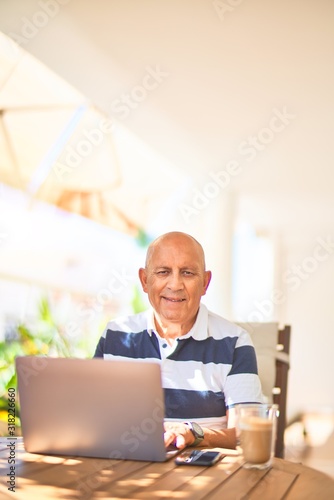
(205,83)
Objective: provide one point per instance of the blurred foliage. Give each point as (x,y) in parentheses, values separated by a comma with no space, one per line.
(137,303)
(45,337)
(142,238)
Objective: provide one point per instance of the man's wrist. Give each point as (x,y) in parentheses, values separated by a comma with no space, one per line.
(197,432)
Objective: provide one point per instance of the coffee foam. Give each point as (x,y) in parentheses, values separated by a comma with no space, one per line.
(254,423)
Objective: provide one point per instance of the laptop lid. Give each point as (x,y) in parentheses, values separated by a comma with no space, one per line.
(91,407)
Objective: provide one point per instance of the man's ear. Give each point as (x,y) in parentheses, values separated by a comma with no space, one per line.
(207,279)
(143,278)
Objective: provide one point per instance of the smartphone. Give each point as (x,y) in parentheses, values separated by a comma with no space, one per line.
(198,457)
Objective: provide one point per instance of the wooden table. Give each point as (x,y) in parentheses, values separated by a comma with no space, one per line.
(50,477)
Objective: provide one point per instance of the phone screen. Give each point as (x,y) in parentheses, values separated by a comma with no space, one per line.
(198,457)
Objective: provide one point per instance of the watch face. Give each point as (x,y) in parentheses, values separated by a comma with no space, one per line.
(197,430)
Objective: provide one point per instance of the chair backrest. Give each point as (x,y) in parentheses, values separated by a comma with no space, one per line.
(272,346)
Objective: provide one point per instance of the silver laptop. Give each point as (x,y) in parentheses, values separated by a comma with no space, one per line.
(92,408)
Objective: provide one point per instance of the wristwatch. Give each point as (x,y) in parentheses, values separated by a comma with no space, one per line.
(197,432)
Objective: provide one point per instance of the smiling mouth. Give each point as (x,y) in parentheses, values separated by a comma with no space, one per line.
(173,300)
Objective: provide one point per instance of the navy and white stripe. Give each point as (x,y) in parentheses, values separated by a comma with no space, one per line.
(212,367)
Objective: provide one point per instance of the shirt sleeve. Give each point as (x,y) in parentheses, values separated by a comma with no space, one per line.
(99,351)
(243,383)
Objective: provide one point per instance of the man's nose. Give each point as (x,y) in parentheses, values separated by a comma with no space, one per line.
(175,281)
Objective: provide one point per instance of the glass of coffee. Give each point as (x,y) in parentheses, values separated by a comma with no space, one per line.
(256,434)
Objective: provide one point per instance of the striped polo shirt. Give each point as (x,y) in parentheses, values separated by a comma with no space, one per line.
(207,371)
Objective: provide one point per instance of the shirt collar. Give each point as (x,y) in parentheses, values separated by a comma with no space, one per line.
(150,321)
(199,331)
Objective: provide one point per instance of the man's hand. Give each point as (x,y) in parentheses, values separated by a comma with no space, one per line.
(178,434)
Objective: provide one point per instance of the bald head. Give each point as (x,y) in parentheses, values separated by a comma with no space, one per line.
(178,239)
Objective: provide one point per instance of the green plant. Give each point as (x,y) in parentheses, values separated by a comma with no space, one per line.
(42,337)
(137,303)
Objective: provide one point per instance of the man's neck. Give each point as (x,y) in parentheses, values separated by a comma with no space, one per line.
(170,330)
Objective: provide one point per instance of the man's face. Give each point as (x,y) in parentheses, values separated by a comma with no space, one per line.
(175,280)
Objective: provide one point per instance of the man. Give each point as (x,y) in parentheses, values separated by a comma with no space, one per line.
(208,364)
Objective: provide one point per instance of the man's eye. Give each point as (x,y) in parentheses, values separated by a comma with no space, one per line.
(161,273)
(188,273)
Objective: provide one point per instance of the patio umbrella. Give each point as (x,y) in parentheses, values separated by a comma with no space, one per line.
(57,147)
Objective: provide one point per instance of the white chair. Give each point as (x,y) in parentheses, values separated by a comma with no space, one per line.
(272,346)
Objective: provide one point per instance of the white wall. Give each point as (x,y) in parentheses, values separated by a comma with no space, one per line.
(304,277)
(309,309)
